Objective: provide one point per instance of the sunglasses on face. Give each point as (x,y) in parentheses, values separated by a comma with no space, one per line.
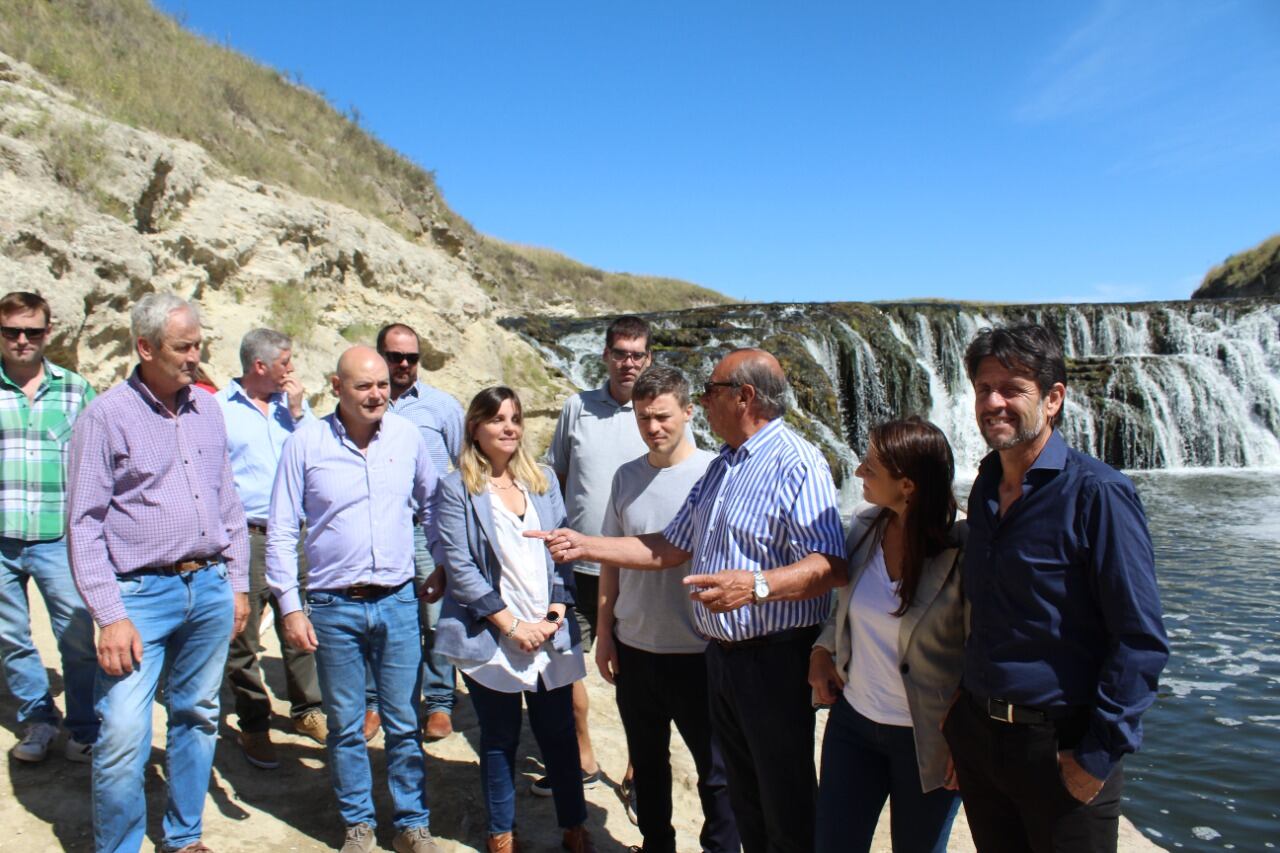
(12,333)
(397,357)
(709,387)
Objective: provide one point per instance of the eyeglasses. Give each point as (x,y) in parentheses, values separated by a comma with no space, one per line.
(622,356)
(397,357)
(709,387)
(12,333)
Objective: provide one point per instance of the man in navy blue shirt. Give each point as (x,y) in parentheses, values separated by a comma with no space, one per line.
(1066,642)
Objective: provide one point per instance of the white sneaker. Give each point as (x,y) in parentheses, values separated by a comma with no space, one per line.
(74,750)
(35,742)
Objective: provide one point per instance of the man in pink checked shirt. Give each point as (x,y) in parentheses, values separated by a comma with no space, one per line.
(159,551)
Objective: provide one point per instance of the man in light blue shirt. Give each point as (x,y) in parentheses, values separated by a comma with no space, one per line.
(261,410)
(357,478)
(439,418)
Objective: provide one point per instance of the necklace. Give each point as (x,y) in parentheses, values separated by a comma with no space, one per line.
(494,484)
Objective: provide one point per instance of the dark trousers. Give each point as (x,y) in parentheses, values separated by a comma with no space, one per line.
(253,705)
(1012,788)
(762,715)
(654,690)
(551,719)
(863,764)
(586,607)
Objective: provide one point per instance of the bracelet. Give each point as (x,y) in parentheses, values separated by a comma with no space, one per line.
(511,632)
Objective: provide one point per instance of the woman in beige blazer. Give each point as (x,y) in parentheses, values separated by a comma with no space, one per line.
(889,657)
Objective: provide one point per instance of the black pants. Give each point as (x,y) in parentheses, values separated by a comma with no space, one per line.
(653,691)
(1012,788)
(762,714)
(253,705)
(586,606)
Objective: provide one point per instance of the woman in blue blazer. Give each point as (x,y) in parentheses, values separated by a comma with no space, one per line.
(889,658)
(503,619)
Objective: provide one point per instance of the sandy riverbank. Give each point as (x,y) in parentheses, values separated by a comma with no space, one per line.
(45,807)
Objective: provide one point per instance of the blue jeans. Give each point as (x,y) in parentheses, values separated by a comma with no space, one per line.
(379,636)
(863,763)
(46,564)
(185,623)
(551,718)
(438,679)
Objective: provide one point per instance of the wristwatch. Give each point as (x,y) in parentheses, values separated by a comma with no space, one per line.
(760,591)
(552,616)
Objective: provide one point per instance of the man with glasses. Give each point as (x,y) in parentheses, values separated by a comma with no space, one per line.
(439,418)
(762,531)
(597,434)
(39,403)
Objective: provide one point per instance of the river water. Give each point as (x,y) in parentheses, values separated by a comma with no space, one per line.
(1207,778)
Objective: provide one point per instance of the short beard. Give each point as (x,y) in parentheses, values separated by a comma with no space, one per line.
(1022,435)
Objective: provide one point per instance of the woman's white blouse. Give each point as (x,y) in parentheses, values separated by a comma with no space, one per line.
(873,684)
(525,591)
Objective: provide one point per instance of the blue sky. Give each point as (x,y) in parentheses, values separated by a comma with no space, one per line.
(1013,151)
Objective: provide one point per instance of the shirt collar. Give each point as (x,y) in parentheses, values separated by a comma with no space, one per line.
(52,373)
(235,389)
(1053,457)
(340,429)
(609,398)
(185,399)
(762,438)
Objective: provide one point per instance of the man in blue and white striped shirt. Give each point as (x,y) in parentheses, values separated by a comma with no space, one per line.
(762,529)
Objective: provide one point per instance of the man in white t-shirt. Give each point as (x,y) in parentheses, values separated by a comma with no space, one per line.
(647,645)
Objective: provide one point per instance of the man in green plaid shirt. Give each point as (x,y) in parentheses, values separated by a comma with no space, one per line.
(39,403)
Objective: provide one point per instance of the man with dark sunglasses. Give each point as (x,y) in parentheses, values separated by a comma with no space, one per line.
(438,416)
(39,403)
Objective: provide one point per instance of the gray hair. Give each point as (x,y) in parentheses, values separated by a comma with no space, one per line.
(770,385)
(661,379)
(149,317)
(264,345)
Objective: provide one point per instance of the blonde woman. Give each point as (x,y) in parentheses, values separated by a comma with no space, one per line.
(503,621)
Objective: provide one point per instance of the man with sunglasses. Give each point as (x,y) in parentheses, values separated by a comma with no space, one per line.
(761,531)
(438,416)
(39,403)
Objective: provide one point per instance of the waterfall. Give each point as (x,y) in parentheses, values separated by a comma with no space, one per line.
(1152,385)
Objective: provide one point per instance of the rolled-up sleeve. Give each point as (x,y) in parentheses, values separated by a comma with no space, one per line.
(283,524)
(90,487)
(1123,566)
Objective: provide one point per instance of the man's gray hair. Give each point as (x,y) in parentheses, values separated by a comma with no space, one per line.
(149,317)
(771,386)
(264,345)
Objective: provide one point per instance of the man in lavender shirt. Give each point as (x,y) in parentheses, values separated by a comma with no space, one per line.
(159,551)
(356,478)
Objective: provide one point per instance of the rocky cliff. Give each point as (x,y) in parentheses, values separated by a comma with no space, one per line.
(97,213)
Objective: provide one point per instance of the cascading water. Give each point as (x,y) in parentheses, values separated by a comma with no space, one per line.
(1158,385)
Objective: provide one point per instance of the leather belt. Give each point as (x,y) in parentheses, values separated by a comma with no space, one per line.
(260,529)
(179,568)
(1020,715)
(366,591)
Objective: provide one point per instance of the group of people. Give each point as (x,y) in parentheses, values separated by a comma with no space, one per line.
(1004,657)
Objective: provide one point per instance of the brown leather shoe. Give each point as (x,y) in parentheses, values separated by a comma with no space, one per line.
(576,840)
(259,750)
(438,726)
(504,842)
(372,722)
(193,847)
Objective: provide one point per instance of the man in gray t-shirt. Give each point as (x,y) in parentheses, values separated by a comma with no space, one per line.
(647,646)
(594,435)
